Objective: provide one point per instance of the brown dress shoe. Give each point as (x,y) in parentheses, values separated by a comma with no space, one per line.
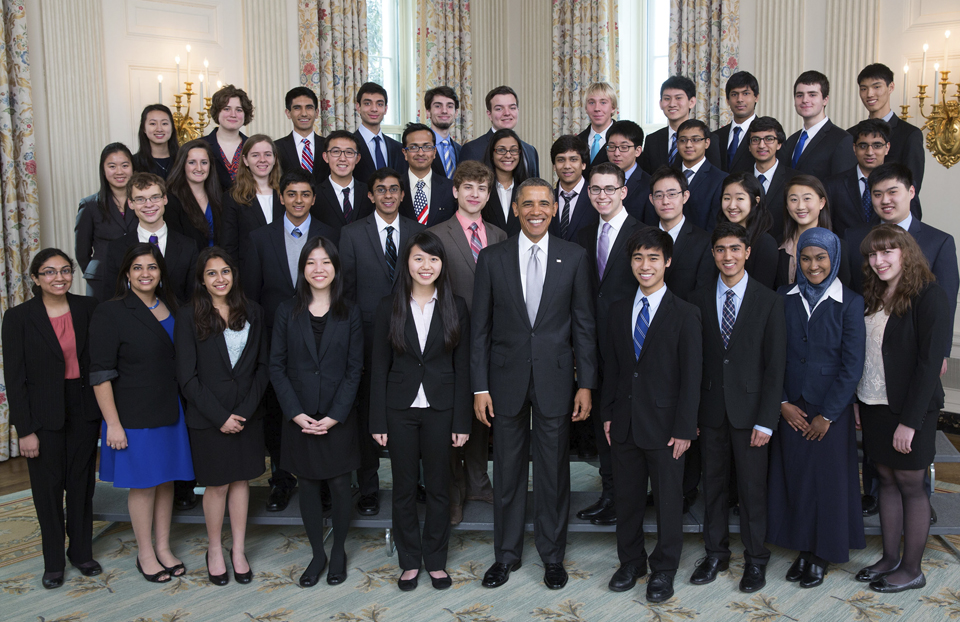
(456,514)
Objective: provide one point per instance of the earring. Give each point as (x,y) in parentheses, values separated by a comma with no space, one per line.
(128,284)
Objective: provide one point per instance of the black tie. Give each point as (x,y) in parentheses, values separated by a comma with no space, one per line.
(565,214)
(347,207)
(391,253)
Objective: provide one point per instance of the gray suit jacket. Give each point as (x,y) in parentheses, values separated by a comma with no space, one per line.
(460,265)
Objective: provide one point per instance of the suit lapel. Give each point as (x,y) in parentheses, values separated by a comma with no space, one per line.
(664,313)
(333,201)
(853,189)
(374,237)
(746,306)
(142,313)
(619,244)
(306,331)
(41,321)
(455,233)
(222,349)
(79,315)
(551,275)
(810,146)
(511,268)
(280,246)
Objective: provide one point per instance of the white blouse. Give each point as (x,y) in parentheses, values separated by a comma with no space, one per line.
(873,385)
(236,342)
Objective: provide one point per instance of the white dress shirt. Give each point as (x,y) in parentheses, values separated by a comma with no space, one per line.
(616,224)
(767,175)
(422,319)
(266,206)
(811,133)
(675,231)
(860,180)
(298,141)
(382,232)
(603,137)
(744,128)
(906,222)
(653,300)
(506,198)
(368,138)
(695,168)
(144,236)
(525,245)
(338,190)
(579,189)
(835,291)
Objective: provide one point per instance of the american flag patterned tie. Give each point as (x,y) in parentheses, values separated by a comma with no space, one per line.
(475,244)
(306,159)
(420,203)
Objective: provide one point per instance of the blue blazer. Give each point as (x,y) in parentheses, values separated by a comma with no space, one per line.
(825,353)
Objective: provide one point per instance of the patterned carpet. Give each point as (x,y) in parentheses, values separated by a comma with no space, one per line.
(278,556)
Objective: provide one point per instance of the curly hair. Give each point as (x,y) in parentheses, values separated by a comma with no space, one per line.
(914,276)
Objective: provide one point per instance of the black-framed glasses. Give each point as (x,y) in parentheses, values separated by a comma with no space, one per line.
(686,140)
(144,200)
(607,190)
(504,151)
(755,140)
(50,273)
(669,194)
(416,148)
(382,190)
(877,146)
(620,148)
(336,152)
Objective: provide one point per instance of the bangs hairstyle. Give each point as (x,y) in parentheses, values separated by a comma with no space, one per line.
(143,160)
(106,191)
(163,292)
(304,295)
(142,181)
(208,321)
(299,91)
(915,271)
(810,78)
(430,244)
(570,142)
(668,172)
(876,71)
(41,258)
(442,91)
(601,88)
(519,173)
(741,79)
(627,129)
(759,219)
(222,97)
(244,188)
(471,170)
(767,124)
(180,187)
(608,168)
(868,128)
(682,83)
(790,226)
(652,238)
(729,230)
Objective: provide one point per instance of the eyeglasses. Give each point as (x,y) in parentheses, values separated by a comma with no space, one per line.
(423,148)
(504,151)
(336,152)
(382,190)
(620,148)
(755,140)
(144,200)
(875,146)
(686,140)
(50,273)
(607,190)
(669,194)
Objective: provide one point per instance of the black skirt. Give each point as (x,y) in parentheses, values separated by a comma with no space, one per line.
(322,456)
(879,423)
(220,459)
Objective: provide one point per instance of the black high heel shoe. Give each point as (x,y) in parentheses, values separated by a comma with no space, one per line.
(216,579)
(311,575)
(241,577)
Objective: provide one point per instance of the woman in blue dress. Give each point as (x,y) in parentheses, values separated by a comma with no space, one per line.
(144,442)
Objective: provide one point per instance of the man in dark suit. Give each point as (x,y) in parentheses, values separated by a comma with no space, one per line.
(624,140)
(766,137)
(301,147)
(569,156)
(600,104)
(442,104)
(369,251)
(341,197)
(906,140)
(605,241)
(651,381)
(821,148)
(744,357)
(503,110)
(704,180)
(427,197)
(270,277)
(742,90)
(678,97)
(531,315)
(377,150)
(463,237)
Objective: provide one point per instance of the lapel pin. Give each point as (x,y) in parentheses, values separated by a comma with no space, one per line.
(558,261)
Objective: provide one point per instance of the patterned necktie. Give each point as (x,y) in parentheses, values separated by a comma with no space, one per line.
(306,159)
(732,149)
(420,203)
(446,153)
(296,232)
(672,156)
(347,206)
(595,147)
(729,317)
(378,156)
(154,240)
(865,200)
(798,150)
(565,214)
(603,249)
(763,181)
(391,253)
(475,244)
(640,329)
(534,284)
(688,174)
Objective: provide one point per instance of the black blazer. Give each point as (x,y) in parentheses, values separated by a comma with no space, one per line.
(584,215)
(846,207)
(266,273)
(507,349)
(742,160)
(775,200)
(654,398)
(442,205)
(93,233)
(655,151)
(212,389)
(34,365)
(177,219)
(290,161)
(828,153)
(492,212)
(705,192)
(395,378)
(906,147)
(129,347)
(637,203)
(743,383)
(223,175)
(310,380)
(783,268)
(180,255)
(764,261)
(692,265)
(477,148)
(601,155)
(368,164)
(327,206)
(239,221)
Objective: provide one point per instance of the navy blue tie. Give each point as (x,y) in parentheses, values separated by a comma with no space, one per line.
(732,149)
(640,329)
(378,156)
(865,200)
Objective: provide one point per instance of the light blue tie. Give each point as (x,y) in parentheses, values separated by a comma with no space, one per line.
(640,329)
(448,165)
(595,147)
(798,150)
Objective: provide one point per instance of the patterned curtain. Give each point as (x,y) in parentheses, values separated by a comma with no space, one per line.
(18,184)
(333,57)
(585,50)
(445,56)
(705,47)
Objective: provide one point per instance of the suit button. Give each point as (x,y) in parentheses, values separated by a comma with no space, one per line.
(600,295)
(804,339)
(528,360)
(629,396)
(533,334)
(726,361)
(803,360)
(316,373)
(635,374)
(419,365)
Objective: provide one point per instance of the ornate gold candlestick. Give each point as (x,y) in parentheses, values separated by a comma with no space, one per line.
(188,128)
(943,123)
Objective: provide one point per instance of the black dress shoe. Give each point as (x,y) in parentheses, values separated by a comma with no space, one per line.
(241,577)
(869,505)
(442,583)
(311,576)
(735,508)
(797,569)
(187,501)
(707,570)
(605,517)
(89,569)
(408,585)
(933,516)
(278,499)
(813,575)
(754,578)
(499,573)
(649,499)
(866,575)
(554,575)
(216,579)
(368,505)
(597,508)
(625,578)
(885,587)
(421,494)
(336,577)
(52,580)
(659,587)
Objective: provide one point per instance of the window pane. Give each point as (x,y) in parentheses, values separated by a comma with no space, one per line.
(383,53)
(642,75)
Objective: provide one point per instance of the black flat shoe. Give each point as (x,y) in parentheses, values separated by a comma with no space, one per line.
(155,578)
(408,585)
(175,571)
(796,570)
(596,509)
(707,570)
(499,573)
(52,580)
(754,578)
(368,505)
(869,505)
(216,579)
(813,575)
(885,587)
(442,583)
(241,577)
(278,499)
(933,516)
(337,577)
(625,578)
(311,576)
(554,575)
(659,587)
(866,575)
(88,569)
(186,503)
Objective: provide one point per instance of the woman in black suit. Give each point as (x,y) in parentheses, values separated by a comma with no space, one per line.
(908,320)
(144,444)
(420,401)
(103,217)
(742,203)
(47,364)
(504,156)
(158,141)
(254,199)
(316,359)
(222,366)
(194,199)
(230,109)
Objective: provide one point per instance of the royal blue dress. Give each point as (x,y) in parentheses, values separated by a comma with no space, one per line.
(153,455)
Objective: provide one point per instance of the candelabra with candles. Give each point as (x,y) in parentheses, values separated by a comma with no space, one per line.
(943,123)
(187,128)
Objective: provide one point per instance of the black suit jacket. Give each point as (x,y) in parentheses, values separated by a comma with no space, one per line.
(774,198)
(239,221)
(93,233)
(395,377)
(743,383)
(846,208)
(692,265)
(327,206)
(601,155)
(223,175)
(742,160)
(706,188)
(34,365)
(763,265)
(477,148)
(828,153)
(212,388)
(180,255)
(655,151)
(637,203)
(177,219)
(311,380)
(492,212)
(654,398)
(129,347)
(507,349)
(368,164)
(290,161)
(442,205)
(584,215)
(906,147)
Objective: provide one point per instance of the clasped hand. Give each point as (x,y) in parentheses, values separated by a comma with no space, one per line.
(314,426)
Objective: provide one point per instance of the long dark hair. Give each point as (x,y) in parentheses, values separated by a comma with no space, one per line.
(143,160)
(304,295)
(163,292)
(41,258)
(790,226)
(207,319)
(430,244)
(759,219)
(520,173)
(106,192)
(179,187)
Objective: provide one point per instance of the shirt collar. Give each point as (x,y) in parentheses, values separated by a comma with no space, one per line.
(526,243)
(888,116)
(298,139)
(744,127)
(816,128)
(860,173)
(367,134)
(616,223)
(602,133)
(769,173)
(288,226)
(414,179)
(653,299)
(504,188)
(143,233)
(906,222)
(578,188)
(696,167)
(439,139)
(383,224)
(339,189)
(835,291)
(677,228)
(466,222)
(627,174)
(739,289)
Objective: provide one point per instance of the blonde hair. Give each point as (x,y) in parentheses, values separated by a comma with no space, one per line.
(604,88)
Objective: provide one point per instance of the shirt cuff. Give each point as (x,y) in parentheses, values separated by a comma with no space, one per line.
(760,428)
(99,377)
(480,392)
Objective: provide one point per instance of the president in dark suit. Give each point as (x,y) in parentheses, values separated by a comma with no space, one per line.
(302,147)
(569,155)
(531,316)
(704,180)
(766,138)
(821,148)
(427,196)
(503,110)
(742,91)
(377,150)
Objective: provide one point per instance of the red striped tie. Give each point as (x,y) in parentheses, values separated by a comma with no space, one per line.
(475,244)
(306,159)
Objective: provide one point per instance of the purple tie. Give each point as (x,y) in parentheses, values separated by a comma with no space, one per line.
(603,249)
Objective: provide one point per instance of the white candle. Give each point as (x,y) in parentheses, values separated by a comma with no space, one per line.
(200,77)
(206,71)
(219,85)
(159,89)
(936,80)
(177,59)
(906,68)
(188,62)
(923,67)
(946,41)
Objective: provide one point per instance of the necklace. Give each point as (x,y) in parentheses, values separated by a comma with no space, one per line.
(155,305)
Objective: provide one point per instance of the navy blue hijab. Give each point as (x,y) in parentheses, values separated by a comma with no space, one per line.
(828,241)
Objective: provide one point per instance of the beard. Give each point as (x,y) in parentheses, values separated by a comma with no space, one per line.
(441,125)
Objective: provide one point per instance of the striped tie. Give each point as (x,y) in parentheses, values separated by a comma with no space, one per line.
(475,244)
(446,153)
(640,329)
(672,156)
(420,203)
(306,159)
(729,317)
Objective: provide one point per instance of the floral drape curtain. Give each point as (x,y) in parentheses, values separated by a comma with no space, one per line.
(445,56)
(333,57)
(705,47)
(585,50)
(18,184)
